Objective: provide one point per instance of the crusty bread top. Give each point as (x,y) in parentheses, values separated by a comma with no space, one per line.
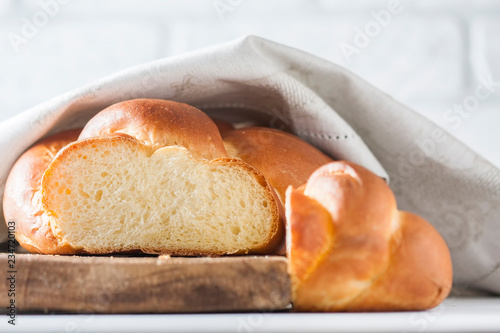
(350,249)
(159,123)
(283,158)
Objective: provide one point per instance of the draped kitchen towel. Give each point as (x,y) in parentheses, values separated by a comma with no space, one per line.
(253,79)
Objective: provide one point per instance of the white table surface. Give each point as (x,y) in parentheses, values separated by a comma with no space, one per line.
(472,314)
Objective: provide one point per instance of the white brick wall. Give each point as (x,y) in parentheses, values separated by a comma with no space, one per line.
(429,56)
(485,47)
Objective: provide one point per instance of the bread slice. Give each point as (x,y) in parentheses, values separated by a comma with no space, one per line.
(115,194)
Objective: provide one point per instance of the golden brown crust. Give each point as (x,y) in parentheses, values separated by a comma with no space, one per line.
(312,236)
(283,158)
(367,256)
(22,198)
(420,269)
(159,123)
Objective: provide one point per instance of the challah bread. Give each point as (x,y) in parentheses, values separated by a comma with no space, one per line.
(350,249)
(283,158)
(153,176)
(22,198)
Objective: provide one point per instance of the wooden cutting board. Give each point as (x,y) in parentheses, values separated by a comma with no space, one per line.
(103,284)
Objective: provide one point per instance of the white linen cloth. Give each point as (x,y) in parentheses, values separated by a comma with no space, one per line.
(431,173)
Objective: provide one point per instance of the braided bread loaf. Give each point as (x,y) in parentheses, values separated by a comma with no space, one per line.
(350,249)
(144,175)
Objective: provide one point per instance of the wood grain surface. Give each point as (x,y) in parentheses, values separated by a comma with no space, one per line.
(84,284)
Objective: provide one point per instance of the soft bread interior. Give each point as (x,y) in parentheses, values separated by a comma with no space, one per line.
(114,194)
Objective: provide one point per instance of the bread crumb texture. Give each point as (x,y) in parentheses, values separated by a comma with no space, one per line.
(114,194)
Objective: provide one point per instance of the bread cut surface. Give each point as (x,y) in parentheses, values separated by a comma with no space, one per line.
(113,194)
